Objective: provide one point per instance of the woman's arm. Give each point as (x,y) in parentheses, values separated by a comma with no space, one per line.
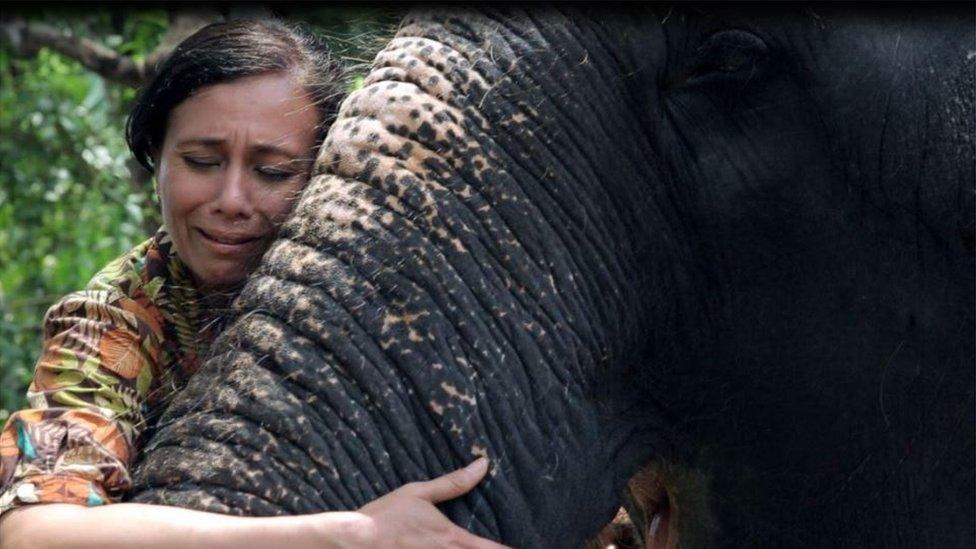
(76,441)
(137,525)
(113,354)
(405,517)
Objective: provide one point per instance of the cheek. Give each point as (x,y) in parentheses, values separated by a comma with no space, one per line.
(180,193)
(277,204)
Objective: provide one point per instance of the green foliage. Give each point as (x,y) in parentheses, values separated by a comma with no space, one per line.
(68,203)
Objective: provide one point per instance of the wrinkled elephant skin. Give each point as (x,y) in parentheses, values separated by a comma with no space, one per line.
(740,244)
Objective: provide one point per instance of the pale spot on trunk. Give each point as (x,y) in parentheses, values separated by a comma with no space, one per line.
(453,392)
(479,451)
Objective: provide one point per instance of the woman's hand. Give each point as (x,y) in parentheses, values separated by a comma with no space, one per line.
(407,517)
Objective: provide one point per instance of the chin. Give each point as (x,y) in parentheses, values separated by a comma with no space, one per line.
(224,280)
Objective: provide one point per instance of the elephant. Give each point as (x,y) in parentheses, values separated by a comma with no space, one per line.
(735,243)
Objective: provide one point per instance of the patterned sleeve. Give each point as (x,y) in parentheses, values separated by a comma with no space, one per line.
(77,441)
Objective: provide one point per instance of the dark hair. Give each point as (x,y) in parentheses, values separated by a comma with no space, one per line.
(222,52)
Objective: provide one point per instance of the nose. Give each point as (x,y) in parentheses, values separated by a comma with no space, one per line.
(234,198)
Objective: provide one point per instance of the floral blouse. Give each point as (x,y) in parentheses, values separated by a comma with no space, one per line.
(113,355)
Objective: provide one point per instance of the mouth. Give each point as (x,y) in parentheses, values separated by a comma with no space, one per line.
(228,243)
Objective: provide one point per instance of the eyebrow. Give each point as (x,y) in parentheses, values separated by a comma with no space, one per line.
(214,142)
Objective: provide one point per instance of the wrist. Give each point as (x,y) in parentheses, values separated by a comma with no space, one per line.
(345,529)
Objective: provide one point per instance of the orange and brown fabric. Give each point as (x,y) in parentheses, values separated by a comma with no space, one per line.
(112,354)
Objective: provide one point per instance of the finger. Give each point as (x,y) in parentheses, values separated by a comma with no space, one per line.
(453,484)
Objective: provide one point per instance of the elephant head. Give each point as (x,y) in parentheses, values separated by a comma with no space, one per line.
(739,244)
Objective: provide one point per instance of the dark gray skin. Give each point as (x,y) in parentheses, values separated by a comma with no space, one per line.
(741,243)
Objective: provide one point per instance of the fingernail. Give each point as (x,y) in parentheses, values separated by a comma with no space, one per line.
(477,466)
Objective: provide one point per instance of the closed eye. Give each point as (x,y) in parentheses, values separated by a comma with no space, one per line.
(275,173)
(200,162)
(282,170)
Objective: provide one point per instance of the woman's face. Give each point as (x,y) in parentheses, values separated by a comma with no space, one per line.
(234,159)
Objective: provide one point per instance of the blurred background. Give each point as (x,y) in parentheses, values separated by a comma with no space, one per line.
(71,197)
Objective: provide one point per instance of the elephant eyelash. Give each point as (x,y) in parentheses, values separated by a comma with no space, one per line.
(727,53)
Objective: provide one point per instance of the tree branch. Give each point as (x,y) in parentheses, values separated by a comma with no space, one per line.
(28,38)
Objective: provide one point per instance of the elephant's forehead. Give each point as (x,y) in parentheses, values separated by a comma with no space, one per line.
(396,120)
(436,67)
(415,91)
(404,133)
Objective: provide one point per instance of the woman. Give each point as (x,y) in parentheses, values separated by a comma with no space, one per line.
(229,127)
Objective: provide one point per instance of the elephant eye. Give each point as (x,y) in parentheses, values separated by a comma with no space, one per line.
(727,54)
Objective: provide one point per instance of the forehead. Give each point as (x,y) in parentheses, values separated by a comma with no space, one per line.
(268,107)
